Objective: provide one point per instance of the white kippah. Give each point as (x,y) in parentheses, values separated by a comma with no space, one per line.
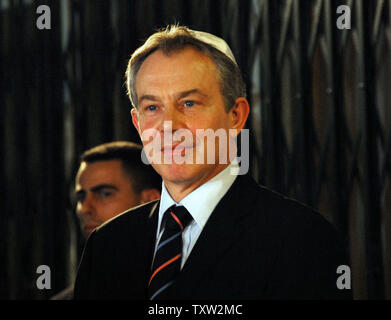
(214,41)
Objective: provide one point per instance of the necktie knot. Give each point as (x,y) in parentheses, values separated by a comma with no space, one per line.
(177,218)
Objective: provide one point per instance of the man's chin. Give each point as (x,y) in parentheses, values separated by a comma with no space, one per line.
(184,173)
(87,230)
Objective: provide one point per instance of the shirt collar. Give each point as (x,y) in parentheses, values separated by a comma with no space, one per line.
(202,201)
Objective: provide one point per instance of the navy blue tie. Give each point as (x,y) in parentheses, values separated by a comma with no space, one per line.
(168,257)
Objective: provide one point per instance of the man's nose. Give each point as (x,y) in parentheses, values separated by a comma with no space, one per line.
(172,120)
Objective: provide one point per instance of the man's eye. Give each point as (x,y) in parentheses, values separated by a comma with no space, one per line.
(151,108)
(104,194)
(189,103)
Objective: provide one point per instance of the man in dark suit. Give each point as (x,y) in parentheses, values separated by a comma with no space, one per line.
(214,234)
(111,179)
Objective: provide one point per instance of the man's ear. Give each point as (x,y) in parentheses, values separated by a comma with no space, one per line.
(239,114)
(135,122)
(148,195)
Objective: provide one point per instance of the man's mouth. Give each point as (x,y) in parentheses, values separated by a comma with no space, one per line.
(177,148)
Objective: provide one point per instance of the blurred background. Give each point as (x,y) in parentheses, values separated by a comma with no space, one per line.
(320,121)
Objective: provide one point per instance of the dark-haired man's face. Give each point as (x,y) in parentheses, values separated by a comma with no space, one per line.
(103,190)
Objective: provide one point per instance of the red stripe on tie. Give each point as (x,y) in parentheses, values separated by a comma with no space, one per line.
(163,266)
(176,219)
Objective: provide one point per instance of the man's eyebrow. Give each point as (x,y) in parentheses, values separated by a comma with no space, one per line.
(147,97)
(98,188)
(189,92)
(103,186)
(179,95)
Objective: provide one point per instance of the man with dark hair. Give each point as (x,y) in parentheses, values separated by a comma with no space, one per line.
(214,234)
(111,179)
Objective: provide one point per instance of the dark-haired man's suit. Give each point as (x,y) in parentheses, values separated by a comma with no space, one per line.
(255,245)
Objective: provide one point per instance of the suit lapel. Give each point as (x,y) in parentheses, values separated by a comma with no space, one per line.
(151,233)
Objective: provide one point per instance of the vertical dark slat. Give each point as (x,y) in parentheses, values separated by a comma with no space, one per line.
(52,232)
(242,57)
(18,250)
(78,71)
(273,126)
(341,216)
(306,26)
(384,131)
(254,123)
(374,247)
(37,151)
(282,134)
(216,17)
(107,45)
(97,57)
(243,34)
(126,42)
(354,133)
(266,95)
(4,287)
(302,103)
(58,210)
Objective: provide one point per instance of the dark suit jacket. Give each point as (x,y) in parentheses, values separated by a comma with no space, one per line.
(257,244)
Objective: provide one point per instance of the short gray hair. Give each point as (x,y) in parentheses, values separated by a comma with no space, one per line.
(176,38)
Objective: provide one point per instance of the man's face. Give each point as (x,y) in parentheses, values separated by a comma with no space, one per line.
(182,88)
(103,190)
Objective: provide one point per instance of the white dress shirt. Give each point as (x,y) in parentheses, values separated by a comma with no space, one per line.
(200,203)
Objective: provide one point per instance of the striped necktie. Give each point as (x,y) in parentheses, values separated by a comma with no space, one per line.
(168,257)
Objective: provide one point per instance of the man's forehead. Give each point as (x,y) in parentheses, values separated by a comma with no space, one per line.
(192,56)
(99,171)
(181,68)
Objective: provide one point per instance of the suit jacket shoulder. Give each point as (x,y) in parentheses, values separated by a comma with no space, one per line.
(119,224)
(115,258)
(304,250)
